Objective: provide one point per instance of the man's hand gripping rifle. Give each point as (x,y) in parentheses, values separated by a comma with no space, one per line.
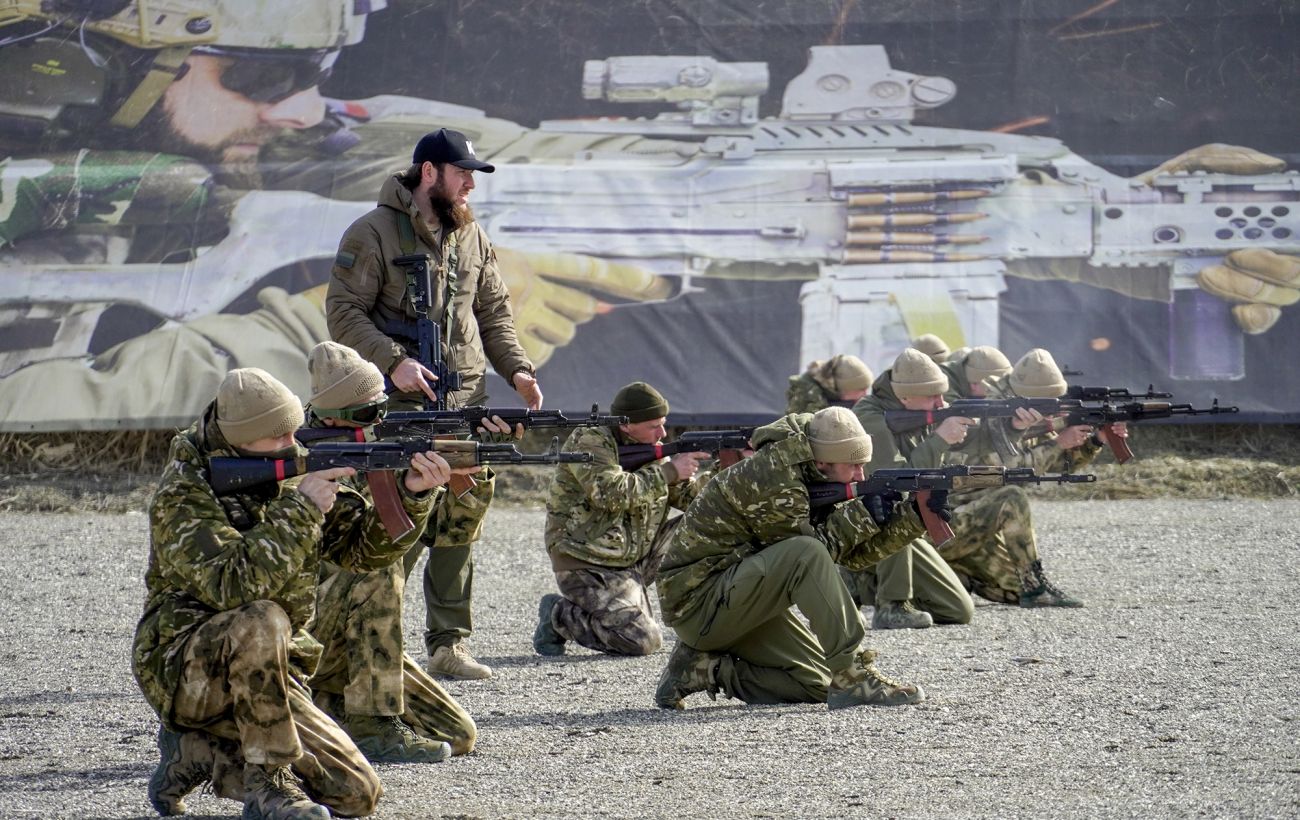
(929,488)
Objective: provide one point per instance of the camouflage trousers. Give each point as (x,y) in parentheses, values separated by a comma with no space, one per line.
(608,608)
(993,543)
(236,684)
(364,670)
(915,573)
(767,653)
(455,524)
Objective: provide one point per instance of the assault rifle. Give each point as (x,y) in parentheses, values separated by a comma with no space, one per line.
(468,419)
(1103,415)
(930,487)
(428,338)
(1081,393)
(725,444)
(231,475)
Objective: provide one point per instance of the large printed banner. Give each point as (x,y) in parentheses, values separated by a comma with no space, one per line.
(705,195)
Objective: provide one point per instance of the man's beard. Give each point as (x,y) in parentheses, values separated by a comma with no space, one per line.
(450,215)
(235,169)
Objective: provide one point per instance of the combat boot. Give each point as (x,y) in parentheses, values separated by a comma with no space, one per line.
(184,764)
(546,640)
(900,615)
(862,684)
(386,739)
(1036,590)
(455,662)
(688,671)
(273,793)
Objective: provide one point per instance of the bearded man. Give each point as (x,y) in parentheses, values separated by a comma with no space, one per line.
(424,209)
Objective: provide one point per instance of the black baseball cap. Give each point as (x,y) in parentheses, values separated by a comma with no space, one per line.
(445,145)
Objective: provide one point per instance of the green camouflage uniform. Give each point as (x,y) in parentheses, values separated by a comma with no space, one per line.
(367,309)
(364,669)
(805,395)
(917,573)
(606,532)
(748,550)
(994,542)
(223,645)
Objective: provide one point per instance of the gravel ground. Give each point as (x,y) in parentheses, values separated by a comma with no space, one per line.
(1173,694)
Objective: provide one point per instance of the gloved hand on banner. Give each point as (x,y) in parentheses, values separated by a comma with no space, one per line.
(553,293)
(1259,281)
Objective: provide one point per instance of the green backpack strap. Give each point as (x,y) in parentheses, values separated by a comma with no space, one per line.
(405,233)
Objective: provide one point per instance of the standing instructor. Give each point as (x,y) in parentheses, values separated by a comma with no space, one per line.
(425,209)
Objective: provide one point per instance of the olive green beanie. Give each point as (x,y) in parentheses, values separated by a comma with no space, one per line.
(639,402)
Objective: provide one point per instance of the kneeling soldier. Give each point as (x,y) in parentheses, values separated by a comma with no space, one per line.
(606,530)
(392,709)
(749,549)
(222,651)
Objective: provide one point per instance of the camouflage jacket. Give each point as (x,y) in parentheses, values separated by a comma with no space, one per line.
(367,295)
(919,448)
(1037,445)
(601,514)
(209,555)
(763,500)
(805,395)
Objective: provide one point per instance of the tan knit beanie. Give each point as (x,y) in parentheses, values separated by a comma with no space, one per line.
(1036,376)
(916,374)
(985,362)
(932,346)
(340,377)
(252,404)
(848,372)
(837,437)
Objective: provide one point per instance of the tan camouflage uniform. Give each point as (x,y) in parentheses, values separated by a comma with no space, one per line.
(606,532)
(367,294)
(994,541)
(364,669)
(223,646)
(747,551)
(917,573)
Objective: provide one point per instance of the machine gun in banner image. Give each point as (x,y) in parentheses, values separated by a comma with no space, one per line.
(930,486)
(725,445)
(1102,416)
(904,229)
(232,475)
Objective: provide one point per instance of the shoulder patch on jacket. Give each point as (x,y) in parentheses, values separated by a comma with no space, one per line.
(345,260)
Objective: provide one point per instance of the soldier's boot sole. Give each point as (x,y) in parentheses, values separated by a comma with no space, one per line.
(891,696)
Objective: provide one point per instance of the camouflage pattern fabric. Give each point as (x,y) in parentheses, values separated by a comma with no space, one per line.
(994,541)
(359,624)
(235,682)
(758,502)
(805,395)
(601,514)
(209,555)
(608,609)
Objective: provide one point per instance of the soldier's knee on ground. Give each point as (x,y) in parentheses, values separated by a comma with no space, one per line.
(360,798)
(464,744)
(260,623)
(960,611)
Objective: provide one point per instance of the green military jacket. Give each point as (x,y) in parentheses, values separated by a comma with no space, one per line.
(1037,445)
(201,563)
(805,395)
(367,293)
(759,502)
(599,513)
